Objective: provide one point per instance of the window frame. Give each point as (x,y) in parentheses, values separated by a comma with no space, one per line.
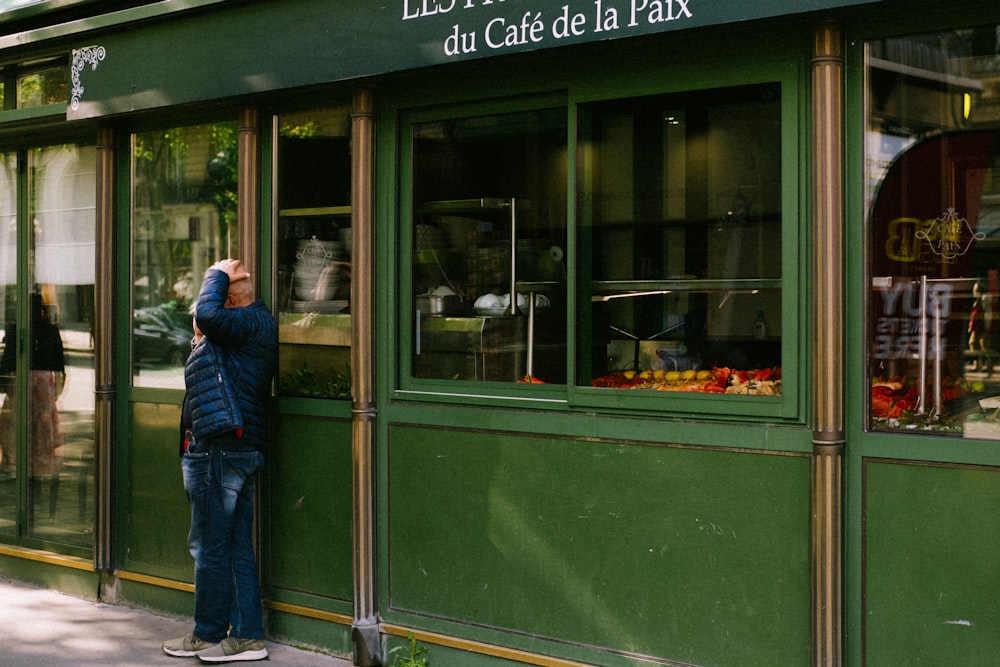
(795,260)
(436,388)
(151,391)
(890,428)
(794,266)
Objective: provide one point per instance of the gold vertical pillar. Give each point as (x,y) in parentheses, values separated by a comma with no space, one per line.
(248,193)
(104,387)
(826,481)
(365,627)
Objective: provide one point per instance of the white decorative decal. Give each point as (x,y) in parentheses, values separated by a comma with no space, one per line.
(88,55)
(950,236)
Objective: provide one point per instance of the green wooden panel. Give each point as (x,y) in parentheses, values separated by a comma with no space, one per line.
(308,514)
(71,581)
(692,554)
(931,565)
(152,596)
(309,633)
(155,516)
(307,486)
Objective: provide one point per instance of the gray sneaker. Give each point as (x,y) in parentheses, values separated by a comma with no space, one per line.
(185,647)
(232,649)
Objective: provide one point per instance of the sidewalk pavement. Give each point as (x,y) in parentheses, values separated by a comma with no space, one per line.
(45,628)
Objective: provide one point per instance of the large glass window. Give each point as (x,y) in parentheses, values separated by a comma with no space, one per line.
(680,219)
(313,167)
(8,276)
(34,83)
(933,215)
(183,221)
(42,84)
(47,419)
(676,269)
(488,279)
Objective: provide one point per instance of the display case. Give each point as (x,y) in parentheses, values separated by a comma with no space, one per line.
(312,251)
(688,352)
(680,242)
(665,347)
(314,269)
(314,324)
(475,317)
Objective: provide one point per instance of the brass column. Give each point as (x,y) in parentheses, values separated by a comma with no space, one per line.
(365,632)
(827,368)
(248,193)
(104,379)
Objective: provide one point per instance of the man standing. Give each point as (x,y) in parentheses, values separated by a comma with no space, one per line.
(224,437)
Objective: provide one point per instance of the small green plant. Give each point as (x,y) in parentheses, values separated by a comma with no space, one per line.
(413,659)
(302,381)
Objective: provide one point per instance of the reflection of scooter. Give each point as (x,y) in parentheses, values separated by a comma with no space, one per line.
(160,336)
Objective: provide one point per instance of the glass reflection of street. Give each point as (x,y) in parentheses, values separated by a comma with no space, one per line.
(66,513)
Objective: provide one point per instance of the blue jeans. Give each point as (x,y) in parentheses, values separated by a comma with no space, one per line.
(218,481)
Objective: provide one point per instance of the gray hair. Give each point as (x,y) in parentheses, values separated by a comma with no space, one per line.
(242,290)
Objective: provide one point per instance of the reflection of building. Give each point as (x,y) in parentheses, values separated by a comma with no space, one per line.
(163,236)
(735,430)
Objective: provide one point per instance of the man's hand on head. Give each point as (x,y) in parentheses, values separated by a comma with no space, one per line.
(232,268)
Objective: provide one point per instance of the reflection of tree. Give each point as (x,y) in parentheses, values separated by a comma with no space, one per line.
(222,170)
(302,131)
(8,230)
(40,88)
(173,168)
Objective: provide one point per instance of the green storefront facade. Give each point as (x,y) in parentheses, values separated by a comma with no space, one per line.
(612,333)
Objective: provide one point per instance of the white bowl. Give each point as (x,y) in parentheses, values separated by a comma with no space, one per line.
(522,300)
(488,301)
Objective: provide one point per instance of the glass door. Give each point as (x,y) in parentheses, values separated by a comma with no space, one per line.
(183,221)
(47,419)
(8,276)
(314,252)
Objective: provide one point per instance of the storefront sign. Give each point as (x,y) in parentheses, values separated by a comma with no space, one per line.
(534,27)
(253,48)
(484,27)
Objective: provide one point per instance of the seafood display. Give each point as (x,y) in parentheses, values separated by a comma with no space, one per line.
(758,382)
(898,397)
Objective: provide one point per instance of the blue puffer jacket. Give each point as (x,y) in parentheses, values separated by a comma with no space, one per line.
(210,408)
(240,345)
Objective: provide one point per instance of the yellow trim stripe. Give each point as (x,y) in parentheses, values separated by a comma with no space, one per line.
(308,612)
(283,607)
(477,647)
(47,557)
(155,581)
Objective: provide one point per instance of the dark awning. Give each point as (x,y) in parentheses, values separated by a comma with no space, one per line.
(11,10)
(255,47)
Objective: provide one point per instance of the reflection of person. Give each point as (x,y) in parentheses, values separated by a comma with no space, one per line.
(46,378)
(978,327)
(224,437)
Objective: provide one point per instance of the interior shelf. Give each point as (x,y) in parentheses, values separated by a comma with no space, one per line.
(316,211)
(603,290)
